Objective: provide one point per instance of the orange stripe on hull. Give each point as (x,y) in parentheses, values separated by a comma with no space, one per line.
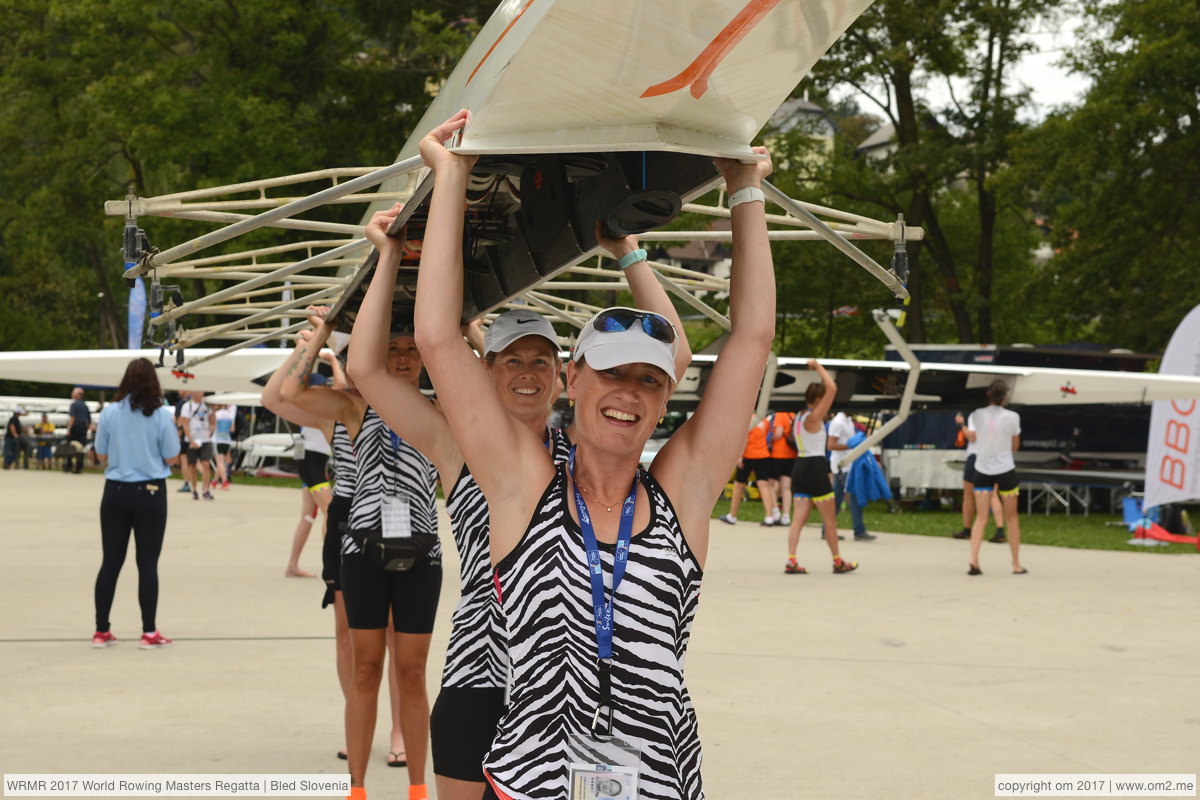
(698,72)
(500,38)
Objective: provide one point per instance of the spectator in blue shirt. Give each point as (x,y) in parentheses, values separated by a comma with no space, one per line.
(77,430)
(136,439)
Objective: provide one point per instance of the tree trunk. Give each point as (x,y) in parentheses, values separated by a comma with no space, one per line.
(920,213)
(987,235)
(110,321)
(939,249)
(908,135)
(915,320)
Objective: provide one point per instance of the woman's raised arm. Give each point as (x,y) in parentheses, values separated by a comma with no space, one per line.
(695,464)
(397,401)
(501,452)
(272,395)
(648,293)
(319,401)
(820,409)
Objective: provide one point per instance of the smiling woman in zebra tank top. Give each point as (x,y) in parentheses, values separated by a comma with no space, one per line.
(598,651)
(520,352)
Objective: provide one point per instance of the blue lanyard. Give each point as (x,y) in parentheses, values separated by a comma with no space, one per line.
(396,442)
(602,608)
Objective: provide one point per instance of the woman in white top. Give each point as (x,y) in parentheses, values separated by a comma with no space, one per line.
(968,482)
(810,477)
(996,432)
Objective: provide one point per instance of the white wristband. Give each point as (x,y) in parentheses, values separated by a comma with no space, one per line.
(748,195)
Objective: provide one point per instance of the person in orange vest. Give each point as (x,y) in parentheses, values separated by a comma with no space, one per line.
(783,456)
(756,459)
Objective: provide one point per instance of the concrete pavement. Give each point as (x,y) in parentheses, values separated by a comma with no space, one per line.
(906,679)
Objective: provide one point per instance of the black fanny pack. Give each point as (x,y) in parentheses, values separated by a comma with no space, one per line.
(394,553)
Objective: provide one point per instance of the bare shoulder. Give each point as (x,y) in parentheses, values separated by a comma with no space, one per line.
(513,498)
(690,496)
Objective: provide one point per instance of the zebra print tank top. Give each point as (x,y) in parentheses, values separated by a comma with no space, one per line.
(546,594)
(477,655)
(344,471)
(390,467)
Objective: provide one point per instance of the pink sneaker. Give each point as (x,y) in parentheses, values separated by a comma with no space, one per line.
(225,485)
(101,640)
(153,641)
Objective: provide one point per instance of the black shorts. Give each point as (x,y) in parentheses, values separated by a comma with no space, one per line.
(1006,482)
(762,468)
(202,453)
(461,728)
(223,448)
(370,593)
(969,469)
(331,547)
(784,467)
(810,478)
(312,469)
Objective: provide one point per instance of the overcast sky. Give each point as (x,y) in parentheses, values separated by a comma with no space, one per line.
(1051,84)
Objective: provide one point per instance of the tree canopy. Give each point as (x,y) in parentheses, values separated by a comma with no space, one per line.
(98,97)
(1118,178)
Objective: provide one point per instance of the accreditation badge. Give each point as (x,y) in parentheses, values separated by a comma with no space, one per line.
(395,516)
(601,768)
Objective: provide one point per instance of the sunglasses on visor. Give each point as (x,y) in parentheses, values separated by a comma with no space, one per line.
(616,320)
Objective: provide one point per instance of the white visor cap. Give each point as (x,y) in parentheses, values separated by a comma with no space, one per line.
(515,324)
(608,349)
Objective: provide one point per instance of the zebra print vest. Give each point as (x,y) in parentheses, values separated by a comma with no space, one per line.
(477,655)
(546,596)
(383,469)
(343,462)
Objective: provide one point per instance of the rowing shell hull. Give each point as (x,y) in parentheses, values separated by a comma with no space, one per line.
(241,371)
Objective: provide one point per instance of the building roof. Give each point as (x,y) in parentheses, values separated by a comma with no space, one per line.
(710,252)
(882,137)
(791,112)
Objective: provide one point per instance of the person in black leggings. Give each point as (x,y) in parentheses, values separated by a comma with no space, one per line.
(136,438)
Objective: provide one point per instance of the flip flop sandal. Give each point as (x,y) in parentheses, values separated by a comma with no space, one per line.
(395,759)
(974,570)
(342,755)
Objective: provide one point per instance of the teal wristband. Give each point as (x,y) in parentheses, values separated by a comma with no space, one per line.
(629,259)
